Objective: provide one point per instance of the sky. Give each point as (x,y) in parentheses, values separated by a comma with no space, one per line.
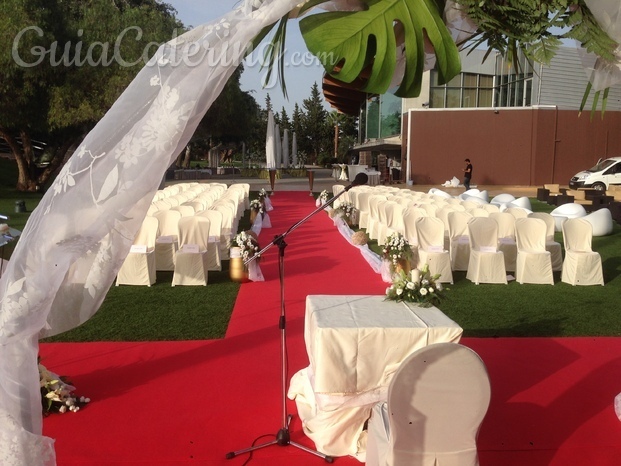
(302,70)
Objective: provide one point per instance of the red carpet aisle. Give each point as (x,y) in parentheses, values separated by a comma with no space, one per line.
(177,403)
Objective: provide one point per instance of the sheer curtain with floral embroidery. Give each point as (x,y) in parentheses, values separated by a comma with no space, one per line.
(76,240)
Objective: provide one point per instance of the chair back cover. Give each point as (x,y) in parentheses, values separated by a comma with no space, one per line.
(479,212)
(409,224)
(530,234)
(430,233)
(168,222)
(194,230)
(506,224)
(546,217)
(483,233)
(184,209)
(517,212)
(577,235)
(458,224)
(148,233)
(437,400)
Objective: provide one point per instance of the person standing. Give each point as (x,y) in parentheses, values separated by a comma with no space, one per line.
(467,174)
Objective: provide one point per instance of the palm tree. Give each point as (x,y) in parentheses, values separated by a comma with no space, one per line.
(336,118)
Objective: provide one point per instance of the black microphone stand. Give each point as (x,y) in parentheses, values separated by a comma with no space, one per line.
(283,437)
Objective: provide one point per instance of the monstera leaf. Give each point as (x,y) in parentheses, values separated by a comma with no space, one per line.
(348,42)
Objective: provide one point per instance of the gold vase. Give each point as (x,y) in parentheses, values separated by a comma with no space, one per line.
(403,265)
(253,216)
(237,270)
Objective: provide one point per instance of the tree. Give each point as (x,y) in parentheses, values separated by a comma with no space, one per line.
(85,54)
(231,119)
(314,137)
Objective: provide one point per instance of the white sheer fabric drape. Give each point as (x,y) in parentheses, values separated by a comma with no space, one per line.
(76,240)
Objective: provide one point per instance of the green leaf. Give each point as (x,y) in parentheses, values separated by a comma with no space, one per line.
(355,40)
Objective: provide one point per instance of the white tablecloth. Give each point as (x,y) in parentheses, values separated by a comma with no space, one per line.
(355,344)
(374,178)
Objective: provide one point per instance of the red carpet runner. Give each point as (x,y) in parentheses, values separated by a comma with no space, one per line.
(175,403)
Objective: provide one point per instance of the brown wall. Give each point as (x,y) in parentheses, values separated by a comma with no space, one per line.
(508,146)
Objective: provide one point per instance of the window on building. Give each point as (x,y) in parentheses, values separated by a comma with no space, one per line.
(509,88)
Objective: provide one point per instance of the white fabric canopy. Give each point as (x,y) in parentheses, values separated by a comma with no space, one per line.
(76,240)
(294,150)
(270,146)
(285,148)
(278,143)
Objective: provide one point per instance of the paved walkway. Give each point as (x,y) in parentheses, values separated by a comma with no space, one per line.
(323,180)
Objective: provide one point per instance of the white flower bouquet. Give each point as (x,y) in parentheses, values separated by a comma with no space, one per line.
(397,248)
(418,286)
(248,244)
(323,197)
(347,210)
(258,206)
(57,393)
(263,194)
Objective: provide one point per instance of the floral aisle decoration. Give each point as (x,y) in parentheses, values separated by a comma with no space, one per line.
(347,211)
(417,286)
(256,208)
(397,252)
(247,243)
(57,393)
(359,238)
(322,198)
(264,198)
(245,246)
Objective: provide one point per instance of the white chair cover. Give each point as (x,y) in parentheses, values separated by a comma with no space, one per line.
(167,243)
(214,260)
(534,263)
(506,238)
(555,248)
(373,218)
(436,403)
(487,264)
(430,233)
(139,267)
(459,247)
(582,266)
(191,266)
(363,206)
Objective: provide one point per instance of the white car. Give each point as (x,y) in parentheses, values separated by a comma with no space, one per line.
(601,176)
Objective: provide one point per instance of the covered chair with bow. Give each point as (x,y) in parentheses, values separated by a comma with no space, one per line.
(534,262)
(139,265)
(191,263)
(459,244)
(430,234)
(556,251)
(582,265)
(436,403)
(167,242)
(487,263)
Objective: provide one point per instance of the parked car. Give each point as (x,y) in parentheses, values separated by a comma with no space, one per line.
(604,174)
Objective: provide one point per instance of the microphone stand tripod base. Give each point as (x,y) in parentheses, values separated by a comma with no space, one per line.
(283,439)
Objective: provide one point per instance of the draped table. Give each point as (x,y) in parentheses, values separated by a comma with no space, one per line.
(354,345)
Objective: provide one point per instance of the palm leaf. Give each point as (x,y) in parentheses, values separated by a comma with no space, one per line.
(354,40)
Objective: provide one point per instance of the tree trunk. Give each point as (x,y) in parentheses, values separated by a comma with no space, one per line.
(186,158)
(336,140)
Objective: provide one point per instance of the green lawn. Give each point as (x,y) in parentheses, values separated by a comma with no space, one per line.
(162,312)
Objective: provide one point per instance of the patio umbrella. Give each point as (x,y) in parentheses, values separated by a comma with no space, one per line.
(294,150)
(278,144)
(270,146)
(285,148)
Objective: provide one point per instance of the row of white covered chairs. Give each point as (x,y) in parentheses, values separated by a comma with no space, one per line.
(188,240)
(385,210)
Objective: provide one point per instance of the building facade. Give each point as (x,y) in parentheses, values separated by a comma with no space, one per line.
(518,124)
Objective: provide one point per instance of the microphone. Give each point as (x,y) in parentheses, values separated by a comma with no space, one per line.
(360,179)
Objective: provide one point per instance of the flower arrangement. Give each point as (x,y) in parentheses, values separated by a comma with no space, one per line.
(397,249)
(347,210)
(57,393)
(263,194)
(257,205)
(418,286)
(359,238)
(323,196)
(248,244)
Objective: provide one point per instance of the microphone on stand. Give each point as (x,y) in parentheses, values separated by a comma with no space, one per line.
(360,179)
